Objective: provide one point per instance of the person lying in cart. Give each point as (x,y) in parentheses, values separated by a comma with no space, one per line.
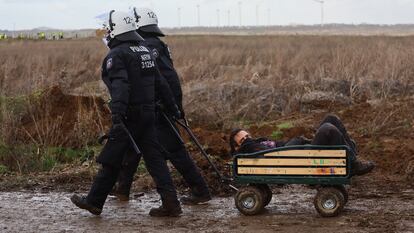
(331,131)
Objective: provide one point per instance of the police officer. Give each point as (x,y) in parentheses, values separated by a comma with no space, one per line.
(147,27)
(131,76)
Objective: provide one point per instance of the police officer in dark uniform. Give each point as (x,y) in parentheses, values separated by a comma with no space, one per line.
(129,71)
(147,24)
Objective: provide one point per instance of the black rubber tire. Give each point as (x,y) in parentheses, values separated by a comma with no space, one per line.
(329,201)
(344,192)
(267,193)
(249,200)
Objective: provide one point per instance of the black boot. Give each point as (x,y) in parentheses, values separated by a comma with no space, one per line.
(82,203)
(360,168)
(195,200)
(120,195)
(199,195)
(169,208)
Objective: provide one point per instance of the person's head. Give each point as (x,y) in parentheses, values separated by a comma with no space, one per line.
(147,21)
(120,25)
(237,137)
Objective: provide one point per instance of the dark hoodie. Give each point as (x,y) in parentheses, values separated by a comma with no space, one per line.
(251,145)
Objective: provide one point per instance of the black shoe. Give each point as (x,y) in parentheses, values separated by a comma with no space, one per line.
(81,202)
(166,211)
(121,197)
(360,168)
(195,200)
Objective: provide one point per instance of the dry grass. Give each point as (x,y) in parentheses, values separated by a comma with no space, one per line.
(26,66)
(227,81)
(257,78)
(228,78)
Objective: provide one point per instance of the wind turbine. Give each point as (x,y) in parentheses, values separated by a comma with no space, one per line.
(321,2)
(179,16)
(228,18)
(198,14)
(240,13)
(218,17)
(268,16)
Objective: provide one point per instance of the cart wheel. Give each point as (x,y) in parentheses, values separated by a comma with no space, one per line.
(344,192)
(267,193)
(329,201)
(249,200)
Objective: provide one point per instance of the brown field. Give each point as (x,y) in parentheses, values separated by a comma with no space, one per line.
(52,102)
(246,77)
(228,81)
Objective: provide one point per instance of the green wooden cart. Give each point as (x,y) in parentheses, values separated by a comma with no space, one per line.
(325,167)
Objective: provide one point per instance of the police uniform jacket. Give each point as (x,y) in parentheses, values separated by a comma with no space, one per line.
(131,76)
(162,54)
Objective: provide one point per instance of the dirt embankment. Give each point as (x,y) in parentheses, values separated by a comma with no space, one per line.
(54,118)
(383,131)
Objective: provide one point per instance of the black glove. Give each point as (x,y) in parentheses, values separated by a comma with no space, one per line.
(117,119)
(102,138)
(176,113)
(182,112)
(172,111)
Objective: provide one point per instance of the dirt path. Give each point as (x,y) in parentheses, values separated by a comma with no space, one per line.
(291,210)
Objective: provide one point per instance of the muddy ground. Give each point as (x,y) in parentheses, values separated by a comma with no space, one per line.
(371,208)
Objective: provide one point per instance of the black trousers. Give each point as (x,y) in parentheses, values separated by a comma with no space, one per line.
(331,131)
(142,128)
(175,151)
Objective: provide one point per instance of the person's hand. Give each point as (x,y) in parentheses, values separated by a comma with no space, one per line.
(177,114)
(305,140)
(182,113)
(174,112)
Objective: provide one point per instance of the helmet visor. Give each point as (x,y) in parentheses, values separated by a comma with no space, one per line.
(102,20)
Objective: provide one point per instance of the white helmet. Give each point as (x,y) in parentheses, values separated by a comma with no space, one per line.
(121,25)
(147,21)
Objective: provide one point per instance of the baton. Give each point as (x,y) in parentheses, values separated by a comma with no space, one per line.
(134,145)
(186,126)
(173,127)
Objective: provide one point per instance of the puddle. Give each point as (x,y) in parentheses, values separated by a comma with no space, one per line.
(291,210)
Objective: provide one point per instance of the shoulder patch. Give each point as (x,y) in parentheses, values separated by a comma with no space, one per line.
(140,48)
(155,53)
(109,63)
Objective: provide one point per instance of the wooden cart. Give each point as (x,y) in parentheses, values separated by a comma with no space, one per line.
(325,167)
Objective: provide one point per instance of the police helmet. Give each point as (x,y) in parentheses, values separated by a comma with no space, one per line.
(121,25)
(147,21)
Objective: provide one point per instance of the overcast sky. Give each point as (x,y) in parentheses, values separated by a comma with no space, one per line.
(77,14)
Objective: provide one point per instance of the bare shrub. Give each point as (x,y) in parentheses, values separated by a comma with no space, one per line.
(267,76)
(245,77)
(31,65)
(58,119)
